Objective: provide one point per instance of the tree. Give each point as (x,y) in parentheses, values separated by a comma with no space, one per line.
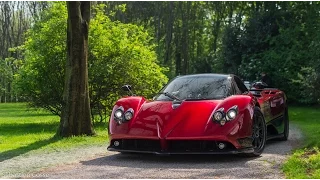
(245,38)
(75,117)
(40,79)
(118,54)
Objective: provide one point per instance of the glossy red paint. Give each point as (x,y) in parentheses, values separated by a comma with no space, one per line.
(272,103)
(192,120)
(164,125)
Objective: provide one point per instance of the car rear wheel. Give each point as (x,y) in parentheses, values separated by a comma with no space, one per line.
(286,126)
(259,133)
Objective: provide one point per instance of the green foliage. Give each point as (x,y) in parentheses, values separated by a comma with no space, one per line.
(255,44)
(304,164)
(118,54)
(296,64)
(5,75)
(41,77)
(282,39)
(187,34)
(121,54)
(244,38)
(230,54)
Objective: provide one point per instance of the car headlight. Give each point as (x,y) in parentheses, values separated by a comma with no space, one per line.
(218,115)
(232,113)
(222,118)
(128,115)
(118,114)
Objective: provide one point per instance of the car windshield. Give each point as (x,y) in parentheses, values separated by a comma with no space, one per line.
(195,88)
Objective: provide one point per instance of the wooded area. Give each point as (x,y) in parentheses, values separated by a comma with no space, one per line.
(146,43)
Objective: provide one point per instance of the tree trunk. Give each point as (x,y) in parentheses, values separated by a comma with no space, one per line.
(75,117)
(169,31)
(185,38)
(177,52)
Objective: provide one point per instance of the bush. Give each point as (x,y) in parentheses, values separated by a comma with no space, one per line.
(118,54)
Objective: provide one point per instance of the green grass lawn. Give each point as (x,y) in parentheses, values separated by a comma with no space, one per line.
(23,130)
(305,162)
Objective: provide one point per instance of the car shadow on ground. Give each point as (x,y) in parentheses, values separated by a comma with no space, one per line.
(136,160)
(154,161)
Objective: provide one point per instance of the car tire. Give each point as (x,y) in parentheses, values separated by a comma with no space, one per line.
(259,133)
(286,126)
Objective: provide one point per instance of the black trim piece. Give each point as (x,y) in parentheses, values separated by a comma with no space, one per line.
(239,151)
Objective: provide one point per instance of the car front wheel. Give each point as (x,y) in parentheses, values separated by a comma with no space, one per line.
(259,133)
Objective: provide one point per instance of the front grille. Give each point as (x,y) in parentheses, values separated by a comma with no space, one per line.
(197,146)
(137,144)
(172,145)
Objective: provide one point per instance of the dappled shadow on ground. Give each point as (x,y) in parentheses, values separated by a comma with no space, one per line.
(13,115)
(22,150)
(16,129)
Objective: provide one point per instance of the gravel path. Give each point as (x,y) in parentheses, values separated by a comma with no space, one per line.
(25,165)
(117,166)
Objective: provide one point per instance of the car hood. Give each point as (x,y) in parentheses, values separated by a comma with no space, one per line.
(160,118)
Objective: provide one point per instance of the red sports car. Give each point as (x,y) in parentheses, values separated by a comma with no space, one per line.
(200,114)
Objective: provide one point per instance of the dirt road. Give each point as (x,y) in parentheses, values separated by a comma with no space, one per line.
(117,166)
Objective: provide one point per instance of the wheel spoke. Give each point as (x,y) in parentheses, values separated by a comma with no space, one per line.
(260,135)
(255,142)
(260,138)
(257,130)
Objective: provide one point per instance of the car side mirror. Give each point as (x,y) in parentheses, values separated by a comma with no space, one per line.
(127,88)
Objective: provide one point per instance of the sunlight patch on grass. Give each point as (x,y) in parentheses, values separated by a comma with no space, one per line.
(23,130)
(305,162)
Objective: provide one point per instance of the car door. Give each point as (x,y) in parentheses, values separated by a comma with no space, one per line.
(276,103)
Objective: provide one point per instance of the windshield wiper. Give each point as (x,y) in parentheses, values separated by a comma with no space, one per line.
(170,95)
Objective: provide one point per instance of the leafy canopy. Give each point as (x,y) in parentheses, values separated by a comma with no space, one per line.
(118,54)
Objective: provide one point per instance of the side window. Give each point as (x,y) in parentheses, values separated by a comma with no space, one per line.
(234,88)
(240,85)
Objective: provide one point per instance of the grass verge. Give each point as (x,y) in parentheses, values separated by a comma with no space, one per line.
(305,162)
(23,130)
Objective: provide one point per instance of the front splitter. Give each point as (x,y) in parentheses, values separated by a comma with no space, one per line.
(239,151)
